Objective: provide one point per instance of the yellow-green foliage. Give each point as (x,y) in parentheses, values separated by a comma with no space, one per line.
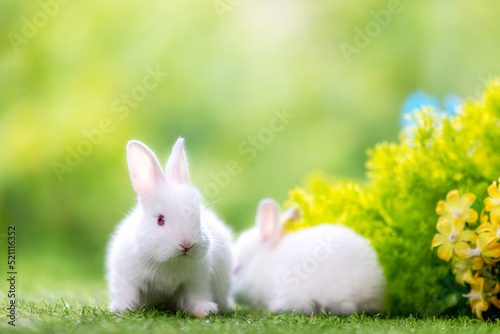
(395,208)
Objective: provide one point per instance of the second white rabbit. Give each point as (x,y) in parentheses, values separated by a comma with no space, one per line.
(328,267)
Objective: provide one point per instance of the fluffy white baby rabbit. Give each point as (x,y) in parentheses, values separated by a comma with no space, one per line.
(170,251)
(327,267)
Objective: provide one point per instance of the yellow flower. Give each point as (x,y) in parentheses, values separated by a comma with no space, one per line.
(482,294)
(476,298)
(456,207)
(462,268)
(451,238)
(487,247)
(494,299)
(483,218)
(492,203)
(492,227)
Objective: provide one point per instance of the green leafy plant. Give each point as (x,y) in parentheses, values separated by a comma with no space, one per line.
(395,207)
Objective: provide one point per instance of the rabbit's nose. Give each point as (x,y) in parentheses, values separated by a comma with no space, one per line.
(186,246)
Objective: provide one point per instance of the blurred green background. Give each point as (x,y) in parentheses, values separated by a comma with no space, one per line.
(65,66)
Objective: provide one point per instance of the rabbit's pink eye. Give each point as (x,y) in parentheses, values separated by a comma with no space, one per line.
(161,220)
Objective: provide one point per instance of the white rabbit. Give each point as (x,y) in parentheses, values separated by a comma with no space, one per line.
(326,267)
(170,251)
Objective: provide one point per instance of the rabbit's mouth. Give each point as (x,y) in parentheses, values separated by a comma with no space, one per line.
(186,247)
(185,252)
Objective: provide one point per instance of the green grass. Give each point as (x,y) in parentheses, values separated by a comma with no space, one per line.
(61,317)
(68,297)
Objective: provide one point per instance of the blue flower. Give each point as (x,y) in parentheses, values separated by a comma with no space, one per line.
(452,104)
(416,101)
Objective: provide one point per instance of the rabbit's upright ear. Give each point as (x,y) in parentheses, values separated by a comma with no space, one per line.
(145,170)
(268,221)
(176,171)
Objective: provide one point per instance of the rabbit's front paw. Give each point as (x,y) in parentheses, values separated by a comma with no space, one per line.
(202,309)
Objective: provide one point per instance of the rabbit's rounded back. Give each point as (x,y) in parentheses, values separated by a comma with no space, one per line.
(328,267)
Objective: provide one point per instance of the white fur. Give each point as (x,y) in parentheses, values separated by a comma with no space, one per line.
(328,267)
(145,261)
